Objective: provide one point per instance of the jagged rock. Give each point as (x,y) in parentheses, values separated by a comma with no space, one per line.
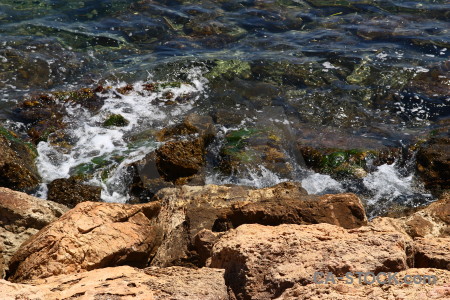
(90,236)
(193,124)
(431,221)
(175,283)
(345,210)
(433,164)
(261,262)
(70,192)
(187,210)
(180,158)
(17,168)
(356,291)
(432,253)
(22,216)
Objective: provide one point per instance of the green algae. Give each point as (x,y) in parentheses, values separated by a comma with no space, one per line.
(116,120)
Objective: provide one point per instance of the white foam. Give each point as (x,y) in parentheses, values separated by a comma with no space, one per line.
(89,139)
(319,184)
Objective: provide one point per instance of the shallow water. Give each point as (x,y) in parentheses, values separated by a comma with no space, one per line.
(332,73)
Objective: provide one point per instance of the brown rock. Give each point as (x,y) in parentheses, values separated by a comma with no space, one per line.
(90,236)
(431,221)
(433,164)
(124,282)
(432,253)
(356,291)
(180,158)
(345,210)
(2,264)
(70,192)
(187,210)
(193,124)
(261,262)
(17,168)
(22,216)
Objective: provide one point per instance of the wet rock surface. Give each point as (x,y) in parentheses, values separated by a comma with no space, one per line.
(22,216)
(17,166)
(433,164)
(261,262)
(70,192)
(90,236)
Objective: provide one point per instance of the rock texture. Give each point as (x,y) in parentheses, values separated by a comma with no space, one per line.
(90,236)
(17,168)
(22,216)
(70,192)
(187,210)
(341,291)
(261,262)
(431,221)
(433,164)
(174,283)
(432,253)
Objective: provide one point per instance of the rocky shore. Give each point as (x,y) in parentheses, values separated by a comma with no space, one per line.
(218,242)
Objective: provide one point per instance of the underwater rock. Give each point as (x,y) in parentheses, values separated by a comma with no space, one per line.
(70,192)
(17,162)
(90,236)
(433,164)
(43,114)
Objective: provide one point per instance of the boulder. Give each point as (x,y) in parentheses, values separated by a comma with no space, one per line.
(22,216)
(90,236)
(124,282)
(70,192)
(433,164)
(17,167)
(356,291)
(187,210)
(261,262)
(432,253)
(430,221)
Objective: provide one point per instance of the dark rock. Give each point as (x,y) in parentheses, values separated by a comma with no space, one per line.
(203,243)
(433,164)
(17,168)
(2,264)
(116,120)
(180,158)
(70,192)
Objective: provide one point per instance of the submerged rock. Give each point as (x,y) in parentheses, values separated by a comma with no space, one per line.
(124,282)
(22,216)
(433,164)
(70,192)
(116,120)
(262,262)
(17,166)
(90,236)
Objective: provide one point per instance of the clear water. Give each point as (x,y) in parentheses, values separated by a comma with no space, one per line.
(336,73)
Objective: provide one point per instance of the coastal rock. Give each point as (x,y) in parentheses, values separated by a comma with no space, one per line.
(356,291)
(345,210)
(433,164)
(124,282)
(70,192)
(261,262)
(2,263)
(432,253)
(431,221)
(180,159)
(90,236)
(17,168)
(187,210)
(22,216)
